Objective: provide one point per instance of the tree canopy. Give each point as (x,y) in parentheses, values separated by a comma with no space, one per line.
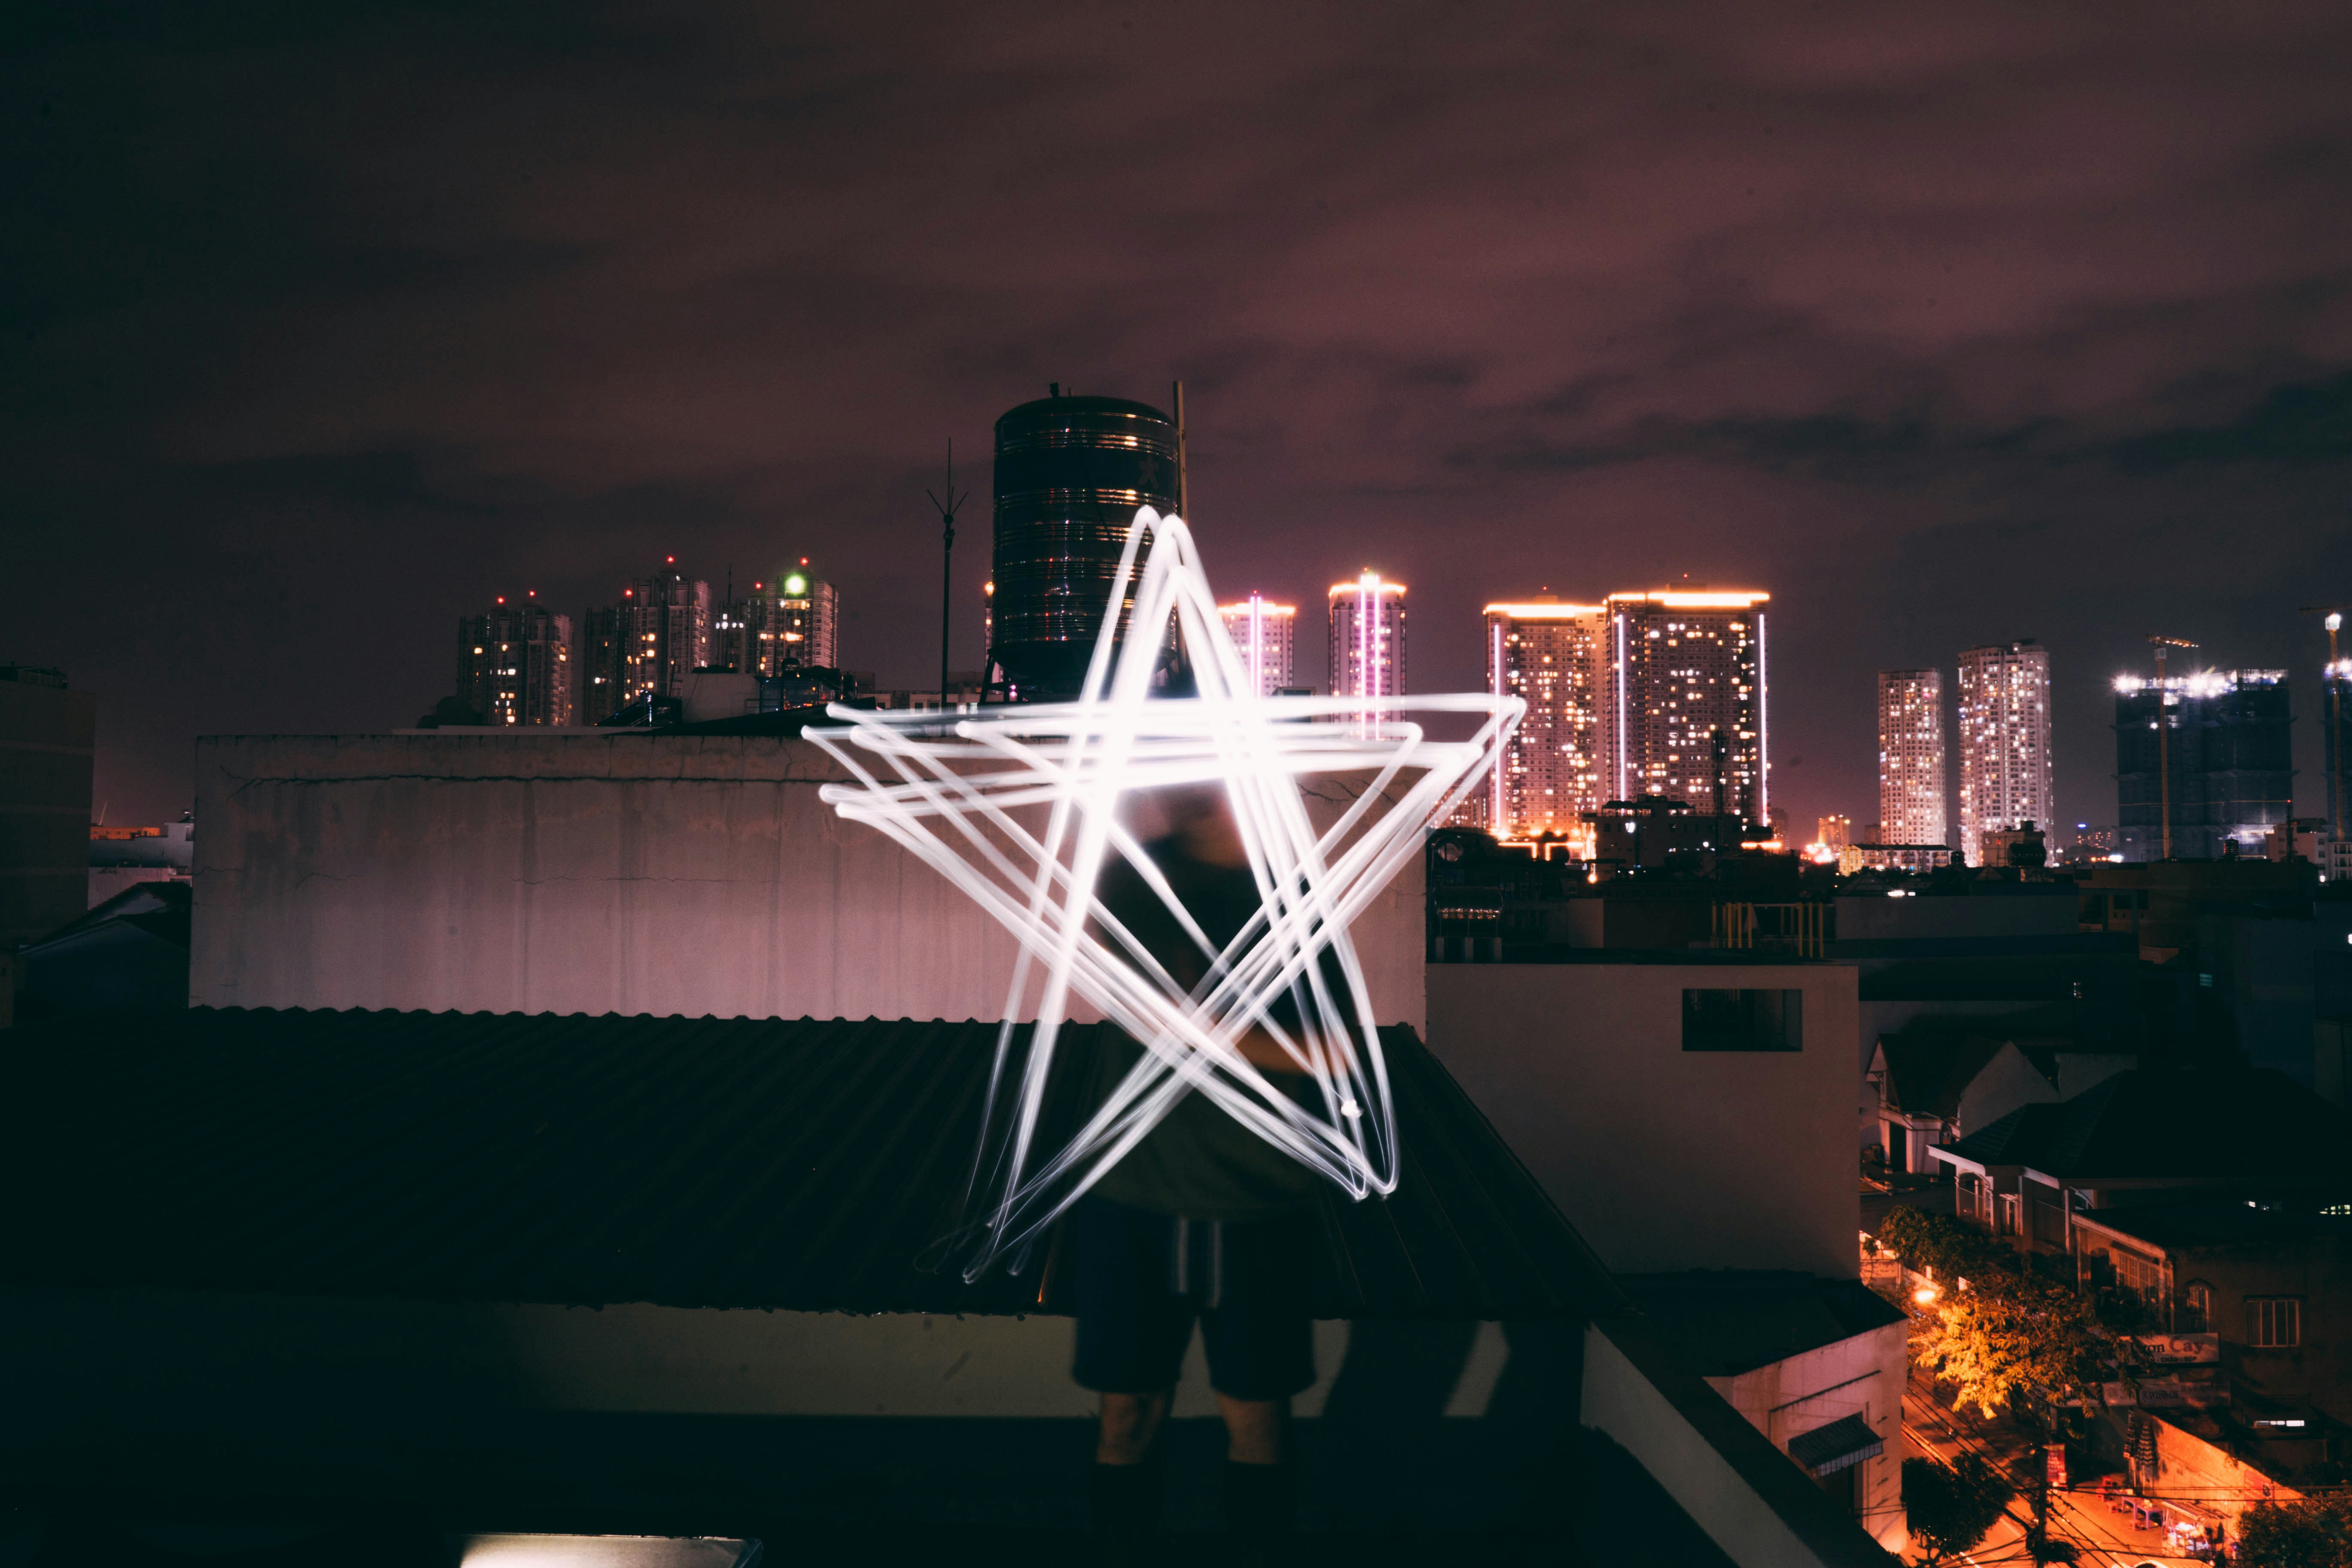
(2008,1338)
(1948,1510)
(2313,1534)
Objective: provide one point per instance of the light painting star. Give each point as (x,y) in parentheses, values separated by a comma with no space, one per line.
(1019,807)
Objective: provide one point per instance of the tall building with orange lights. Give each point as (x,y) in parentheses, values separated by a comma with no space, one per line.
(1368,637)
(2005,773)
(1555,657)
(793,623)
(1685,713)
(1266,636)
(653,640)
(804,624)
(1911,776)
(514,665)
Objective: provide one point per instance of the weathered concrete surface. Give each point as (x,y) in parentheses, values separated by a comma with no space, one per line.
(598,873)
(1663,1158)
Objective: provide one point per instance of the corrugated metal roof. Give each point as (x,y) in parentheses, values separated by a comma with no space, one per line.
(2218,1122)
(798,1164)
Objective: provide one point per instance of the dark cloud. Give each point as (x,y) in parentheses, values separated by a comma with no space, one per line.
(1946,324)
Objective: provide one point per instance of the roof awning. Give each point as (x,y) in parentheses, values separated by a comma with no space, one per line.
(1825,1450)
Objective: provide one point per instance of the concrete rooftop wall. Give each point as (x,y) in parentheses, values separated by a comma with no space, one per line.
(1875,917)
(1664,1159)
(600,873)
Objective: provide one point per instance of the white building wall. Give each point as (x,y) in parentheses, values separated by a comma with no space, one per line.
(1664,1159)
(601,873)
(1859,1377)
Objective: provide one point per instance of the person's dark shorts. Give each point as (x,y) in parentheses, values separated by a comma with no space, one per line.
(1139,1280)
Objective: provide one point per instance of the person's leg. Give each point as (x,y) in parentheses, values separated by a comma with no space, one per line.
(1130,1423)
(1130,1345)
(1255,1430)
(1261,1349)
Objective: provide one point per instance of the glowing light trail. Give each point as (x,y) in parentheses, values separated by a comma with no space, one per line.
(1021,807)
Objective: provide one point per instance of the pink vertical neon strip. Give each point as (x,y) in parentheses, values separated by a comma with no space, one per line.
(1763,735)
(1494,688)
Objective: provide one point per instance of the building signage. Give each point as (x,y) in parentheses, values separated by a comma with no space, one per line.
(2182,1350)
(2168,1393)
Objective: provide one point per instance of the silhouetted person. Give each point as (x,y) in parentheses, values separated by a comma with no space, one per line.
(1201,1221)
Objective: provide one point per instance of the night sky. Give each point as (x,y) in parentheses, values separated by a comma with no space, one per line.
(1945,324)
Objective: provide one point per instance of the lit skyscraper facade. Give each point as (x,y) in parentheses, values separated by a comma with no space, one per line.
(2005,774)
(1266,636)
(2227,750)
(804,625)
(790,625)
(1555,657)
(668,636)
(514,665)
(1911,776)
(653,640)
(1685,714)
(1368,637)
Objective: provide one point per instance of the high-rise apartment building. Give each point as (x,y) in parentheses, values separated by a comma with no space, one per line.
(1911,777)
(2224,745)
(1366,637)
(514,665)
(1266,636)
(653,640)
(2005,775)
(1834,832)
(1555,657)
(802,626)
(601,668)
(668,636)
(1685,714)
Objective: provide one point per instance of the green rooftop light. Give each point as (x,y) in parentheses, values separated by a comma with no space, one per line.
(796,584)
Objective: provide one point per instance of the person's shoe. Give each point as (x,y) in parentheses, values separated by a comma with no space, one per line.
(1124,1499)
(1261,1506)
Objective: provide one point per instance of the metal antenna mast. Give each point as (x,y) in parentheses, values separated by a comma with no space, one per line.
(2163,735)
(947,510)
(1183,499)
(2335,623)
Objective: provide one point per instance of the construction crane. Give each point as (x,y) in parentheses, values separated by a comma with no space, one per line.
(2335,623)
(2163,735)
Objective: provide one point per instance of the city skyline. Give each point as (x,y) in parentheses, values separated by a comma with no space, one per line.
(1845,385)
(1532,652)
